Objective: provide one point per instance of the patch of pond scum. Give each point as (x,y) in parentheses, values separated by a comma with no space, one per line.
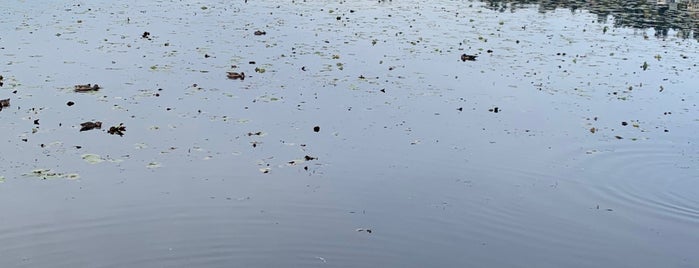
(453,132)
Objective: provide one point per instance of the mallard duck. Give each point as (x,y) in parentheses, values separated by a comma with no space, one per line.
(4,103)
(465,57)
(234,75)
(90,125)
(88,87)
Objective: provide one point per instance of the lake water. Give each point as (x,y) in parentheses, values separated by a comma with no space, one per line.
(358,138)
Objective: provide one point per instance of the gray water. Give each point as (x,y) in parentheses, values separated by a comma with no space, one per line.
(591,159)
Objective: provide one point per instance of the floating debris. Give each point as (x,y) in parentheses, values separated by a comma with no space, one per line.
(235,75)
(258,32)
(466,57)
(363,230)
(87,87)
(90,125)
(117,130)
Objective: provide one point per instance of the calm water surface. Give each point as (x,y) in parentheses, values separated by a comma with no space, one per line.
(591,158)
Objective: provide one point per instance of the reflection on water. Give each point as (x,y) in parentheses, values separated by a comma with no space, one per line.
(662,16)
(569,141)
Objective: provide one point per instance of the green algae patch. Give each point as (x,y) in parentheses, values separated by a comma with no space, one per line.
(92,158)
(154,165)
(48,174)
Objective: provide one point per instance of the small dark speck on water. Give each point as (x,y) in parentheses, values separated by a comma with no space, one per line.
(316,129)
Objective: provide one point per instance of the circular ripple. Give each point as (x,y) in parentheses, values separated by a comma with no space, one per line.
(655,179)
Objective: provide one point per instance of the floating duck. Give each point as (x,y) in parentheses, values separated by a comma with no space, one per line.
(234,75)
(85,88)
(4,103)
(465,57)
(90,125)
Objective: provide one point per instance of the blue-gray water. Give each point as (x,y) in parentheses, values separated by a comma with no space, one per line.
(590,161)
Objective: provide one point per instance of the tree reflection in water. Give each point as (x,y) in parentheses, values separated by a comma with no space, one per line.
(662,16)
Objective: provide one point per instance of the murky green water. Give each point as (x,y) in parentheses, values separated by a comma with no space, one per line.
(569,142)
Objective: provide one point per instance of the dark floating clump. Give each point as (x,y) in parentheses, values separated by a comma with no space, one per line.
(258,32)
(494,110)
(145,35)
(90,125)
(467,57)
(235,76)
(70,103)
(364,230)
(87,88)
(117,130)
(316,129)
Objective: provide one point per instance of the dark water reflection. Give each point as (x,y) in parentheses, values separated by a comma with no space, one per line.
(662,16)
(590,160)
